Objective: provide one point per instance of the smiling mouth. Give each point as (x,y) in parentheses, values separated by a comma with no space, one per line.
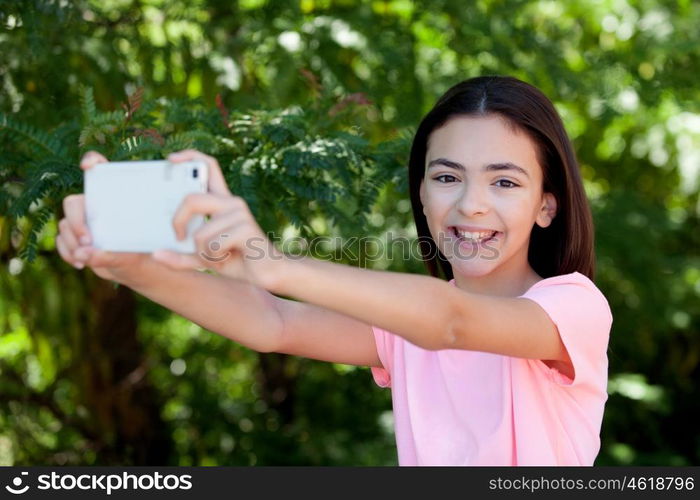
(474,237)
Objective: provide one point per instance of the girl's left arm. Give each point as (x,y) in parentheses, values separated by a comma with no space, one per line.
(426,311)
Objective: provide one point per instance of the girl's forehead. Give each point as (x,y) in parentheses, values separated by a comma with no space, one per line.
(474,141)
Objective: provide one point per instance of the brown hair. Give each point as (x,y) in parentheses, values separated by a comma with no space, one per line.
(566,245)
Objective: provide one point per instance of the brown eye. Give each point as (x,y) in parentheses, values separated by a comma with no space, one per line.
(508,184)
(445,176)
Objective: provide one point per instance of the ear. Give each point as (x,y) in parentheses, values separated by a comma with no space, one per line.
(421,194)
(548,210)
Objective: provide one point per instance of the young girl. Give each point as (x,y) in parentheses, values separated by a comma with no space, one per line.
(504,364)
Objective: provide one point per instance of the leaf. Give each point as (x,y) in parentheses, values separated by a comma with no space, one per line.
(135,100)
(38,140)
(222,110)
(87,103)
(151,134)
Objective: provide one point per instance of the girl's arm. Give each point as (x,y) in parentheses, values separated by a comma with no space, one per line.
(257,319)
(426,311)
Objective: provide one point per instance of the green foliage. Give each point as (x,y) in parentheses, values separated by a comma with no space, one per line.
(290,158)
(303,162)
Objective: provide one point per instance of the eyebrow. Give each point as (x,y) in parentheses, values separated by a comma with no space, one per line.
(488,168)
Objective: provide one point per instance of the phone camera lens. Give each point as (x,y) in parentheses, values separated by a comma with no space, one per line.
(195,173)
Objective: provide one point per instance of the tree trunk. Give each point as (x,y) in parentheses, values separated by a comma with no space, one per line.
(113,374)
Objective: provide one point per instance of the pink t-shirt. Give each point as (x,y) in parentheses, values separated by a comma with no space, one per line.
(456,407)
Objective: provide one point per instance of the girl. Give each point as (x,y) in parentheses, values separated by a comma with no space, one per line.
(504,364)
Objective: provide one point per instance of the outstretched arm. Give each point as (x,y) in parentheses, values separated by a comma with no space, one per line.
(257,319)
(426,311)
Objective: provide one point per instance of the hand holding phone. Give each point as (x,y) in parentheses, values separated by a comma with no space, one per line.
(230,242)
(74,241)
(130,205)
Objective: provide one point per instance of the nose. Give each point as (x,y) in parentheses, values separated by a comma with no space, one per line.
(474,200)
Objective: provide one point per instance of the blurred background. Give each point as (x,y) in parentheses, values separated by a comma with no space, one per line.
(309,105)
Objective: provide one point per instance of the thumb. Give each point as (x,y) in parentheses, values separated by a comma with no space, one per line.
(101,258)
(177,261)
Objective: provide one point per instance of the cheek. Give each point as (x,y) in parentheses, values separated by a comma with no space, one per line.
(518,213)
(524,223)
(434,215)
(431,206)
(440,201)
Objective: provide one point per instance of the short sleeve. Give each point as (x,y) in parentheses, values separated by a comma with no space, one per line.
(384,341)
(583,318)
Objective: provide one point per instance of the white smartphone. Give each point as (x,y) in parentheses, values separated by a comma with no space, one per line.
(130,205)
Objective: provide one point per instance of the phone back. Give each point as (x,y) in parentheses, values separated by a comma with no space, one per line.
(130,205)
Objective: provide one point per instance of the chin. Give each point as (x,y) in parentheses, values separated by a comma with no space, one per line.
(473,268)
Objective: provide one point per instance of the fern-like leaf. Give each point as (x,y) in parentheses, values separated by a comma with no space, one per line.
(36,138)
(87,103)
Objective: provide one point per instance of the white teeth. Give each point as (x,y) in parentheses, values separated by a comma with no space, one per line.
(468,235)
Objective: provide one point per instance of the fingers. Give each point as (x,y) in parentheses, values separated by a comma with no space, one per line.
(71,251)
(74,210)
(203,204)
(74,234)
(90,159)
(217,183)
(177,261)
(68,244)
(101,258)
(78,253)
(67,235)
(66,254)
(216,237)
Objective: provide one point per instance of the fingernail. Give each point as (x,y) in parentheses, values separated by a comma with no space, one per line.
(85,240)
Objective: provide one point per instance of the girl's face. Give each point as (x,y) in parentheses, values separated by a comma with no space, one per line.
(482,194)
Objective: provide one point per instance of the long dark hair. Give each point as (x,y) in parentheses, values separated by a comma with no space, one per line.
(566,245)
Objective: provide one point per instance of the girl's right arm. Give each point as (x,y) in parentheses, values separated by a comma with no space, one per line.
(258,319)
(233,308)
